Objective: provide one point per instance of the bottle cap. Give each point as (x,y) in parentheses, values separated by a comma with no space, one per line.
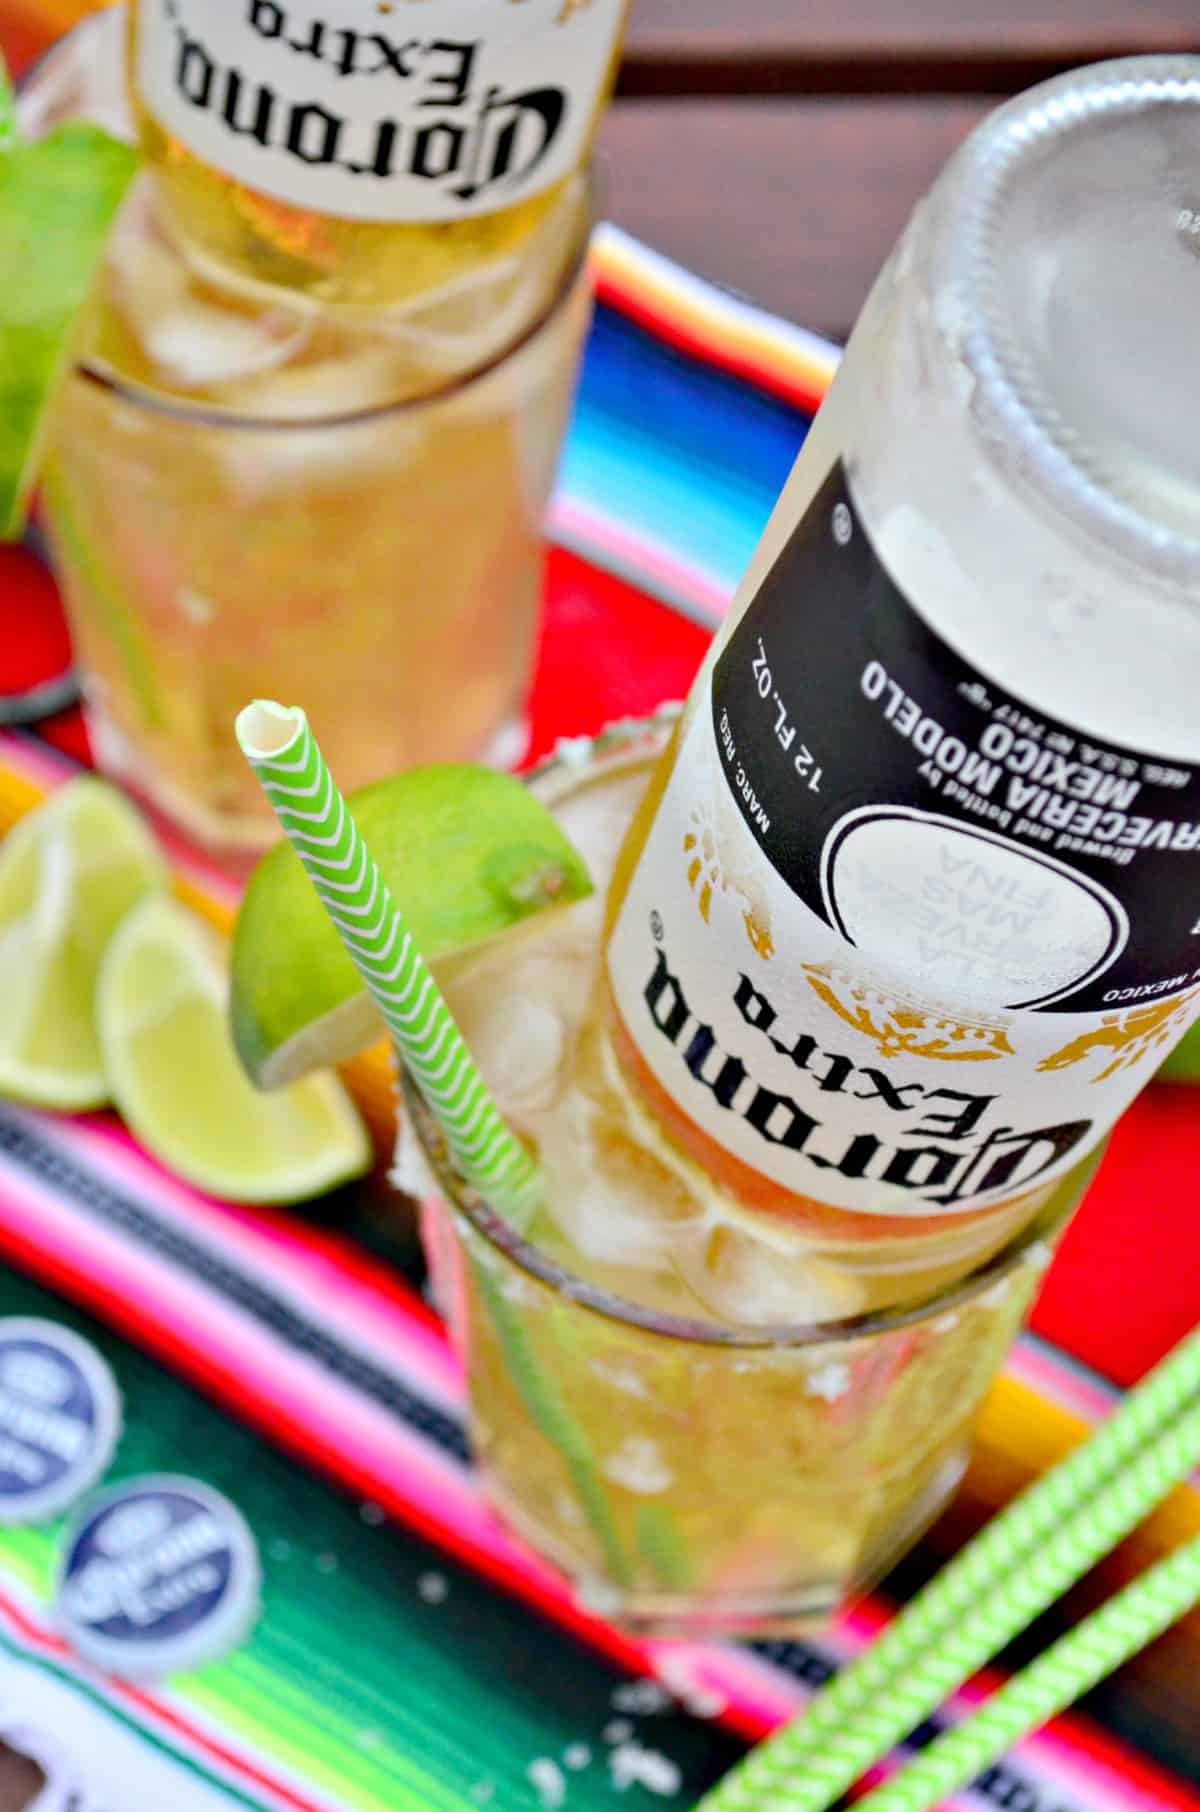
(160,1575)
(60,1419)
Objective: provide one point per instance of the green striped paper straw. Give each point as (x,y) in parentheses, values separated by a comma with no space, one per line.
(543,1400)
(1053,1532)
(8,109)
(281,748)
(950,1656)
(1055,1680)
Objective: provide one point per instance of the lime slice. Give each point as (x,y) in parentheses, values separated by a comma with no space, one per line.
(467,853)
(161,1009)
(69,872)
(57,202)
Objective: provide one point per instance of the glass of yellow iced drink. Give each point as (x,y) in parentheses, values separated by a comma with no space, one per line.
(248,491)
(713,1422)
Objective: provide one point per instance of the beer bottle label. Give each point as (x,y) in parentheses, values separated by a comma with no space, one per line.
(401,112)
(896,940)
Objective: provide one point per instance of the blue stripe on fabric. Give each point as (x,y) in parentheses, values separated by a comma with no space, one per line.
(687,456)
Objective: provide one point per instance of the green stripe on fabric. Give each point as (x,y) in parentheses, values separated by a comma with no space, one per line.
(383,1711)
(269,1711)
(353,1675)
(66,1677)
(27,1555)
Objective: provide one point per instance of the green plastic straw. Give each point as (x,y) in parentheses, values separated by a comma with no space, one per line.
(1055,1680)
(1024,1559)
(283,752)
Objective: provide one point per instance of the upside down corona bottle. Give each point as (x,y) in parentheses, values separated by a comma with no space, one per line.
(366,151)
(912,908)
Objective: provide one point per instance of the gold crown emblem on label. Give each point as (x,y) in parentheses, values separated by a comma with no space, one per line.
(905,1028)
(1130,1036)
(708,873)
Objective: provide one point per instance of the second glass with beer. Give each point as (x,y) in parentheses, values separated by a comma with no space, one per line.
(321,390)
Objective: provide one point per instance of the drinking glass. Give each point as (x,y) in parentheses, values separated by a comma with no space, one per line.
(314,537)
(692,1476)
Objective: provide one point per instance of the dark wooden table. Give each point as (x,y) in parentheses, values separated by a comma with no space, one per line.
(777,146)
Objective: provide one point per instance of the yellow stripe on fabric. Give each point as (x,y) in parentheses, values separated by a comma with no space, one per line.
(18,795)
(718,319)
(279,1682)
(294,1739)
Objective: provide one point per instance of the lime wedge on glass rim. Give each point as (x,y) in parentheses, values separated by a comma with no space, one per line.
(468,854)
(69,872)
(162,1014)
(58,198)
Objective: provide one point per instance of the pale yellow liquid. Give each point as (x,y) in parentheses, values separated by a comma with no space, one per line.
(327,258)
(691,1487)
(377,564)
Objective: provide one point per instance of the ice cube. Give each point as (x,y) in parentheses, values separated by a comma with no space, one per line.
(752,1283)
(597,817)
(830,1382)
(519,1002)
(461,325)
(147,277)
(607,1193)
(198,337)
(359,381)
(458,334)
(273,458)
(410,1172)
(198,346)
(519,1049)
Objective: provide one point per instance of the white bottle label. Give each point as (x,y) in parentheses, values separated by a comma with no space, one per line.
(894,941)
(409,110)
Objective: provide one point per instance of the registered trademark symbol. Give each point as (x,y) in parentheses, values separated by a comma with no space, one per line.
(656,927)
(843,524)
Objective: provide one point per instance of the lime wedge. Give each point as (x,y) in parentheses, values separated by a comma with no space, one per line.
(57,202)
(467,853)
(162,1014)
(69,872)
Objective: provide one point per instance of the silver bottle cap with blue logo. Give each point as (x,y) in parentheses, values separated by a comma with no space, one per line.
(158,1576)
(60,1419)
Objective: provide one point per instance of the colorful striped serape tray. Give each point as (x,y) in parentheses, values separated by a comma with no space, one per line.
(410,1652)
